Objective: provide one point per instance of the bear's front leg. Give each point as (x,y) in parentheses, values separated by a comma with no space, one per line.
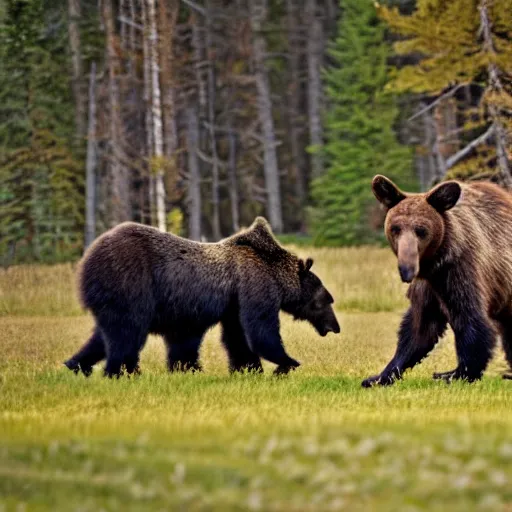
(259,305)
(422,325)
(241,357)
(263,337)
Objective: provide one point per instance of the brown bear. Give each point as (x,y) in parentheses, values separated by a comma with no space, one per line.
(137,280)
(454,245)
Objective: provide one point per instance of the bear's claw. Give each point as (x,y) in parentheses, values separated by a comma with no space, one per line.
(457,374)
(383,379)
(76,367)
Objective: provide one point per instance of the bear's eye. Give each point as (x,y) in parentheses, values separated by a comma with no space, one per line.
(317,304)
(420,232)
(395,230)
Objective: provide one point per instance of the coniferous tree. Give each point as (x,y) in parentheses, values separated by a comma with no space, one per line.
(40,185)
(463,44)
(360,138)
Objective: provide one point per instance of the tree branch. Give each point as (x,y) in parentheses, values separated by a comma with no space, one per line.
(450,162)
(436,101)
(127,21)
(195,7)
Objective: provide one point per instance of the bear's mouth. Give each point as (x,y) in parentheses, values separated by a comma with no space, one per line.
(324,331)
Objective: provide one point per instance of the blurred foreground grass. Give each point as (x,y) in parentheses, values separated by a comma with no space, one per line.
(312,441)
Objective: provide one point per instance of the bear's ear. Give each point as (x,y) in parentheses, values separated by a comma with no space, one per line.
(262,224)
(444,196)
(386,191)
(305,266)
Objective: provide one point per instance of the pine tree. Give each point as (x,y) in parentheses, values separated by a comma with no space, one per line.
(40,185)
(463,43)
(359,130)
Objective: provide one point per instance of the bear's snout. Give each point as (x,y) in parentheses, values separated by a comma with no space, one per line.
(331,325)
(334,328)
(407,273)
(408,256)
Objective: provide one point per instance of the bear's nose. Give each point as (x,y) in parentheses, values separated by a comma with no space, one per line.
(406,273)
(334,327)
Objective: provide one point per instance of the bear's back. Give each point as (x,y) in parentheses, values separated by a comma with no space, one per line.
(134,263)
(480,235)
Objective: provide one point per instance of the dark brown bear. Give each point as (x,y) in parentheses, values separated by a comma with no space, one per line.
(454,245)
(137,280)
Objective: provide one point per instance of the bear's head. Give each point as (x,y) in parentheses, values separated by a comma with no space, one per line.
(314,303)
(415,223)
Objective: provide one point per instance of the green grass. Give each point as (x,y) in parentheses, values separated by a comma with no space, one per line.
(314,440)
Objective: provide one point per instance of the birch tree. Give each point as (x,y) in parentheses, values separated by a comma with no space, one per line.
(156,108)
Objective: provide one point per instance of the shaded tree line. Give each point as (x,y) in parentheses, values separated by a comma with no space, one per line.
(196,115)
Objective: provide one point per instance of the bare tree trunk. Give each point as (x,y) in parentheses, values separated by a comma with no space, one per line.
(294,97)
(314,53)
(74,14)
(429,144)
(199,63)
(168,14)
(194,178)
(233,182)
(90,168)
(148,117)
(211,119)
(445,116)
(120,186)
(496,87)
(258,14)
(158,151)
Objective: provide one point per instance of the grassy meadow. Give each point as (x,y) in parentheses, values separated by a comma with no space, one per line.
(314,440)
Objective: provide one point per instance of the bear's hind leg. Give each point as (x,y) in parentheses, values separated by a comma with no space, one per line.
(91,353)
(474,340)
(183,352)
(241,357)
(124,340)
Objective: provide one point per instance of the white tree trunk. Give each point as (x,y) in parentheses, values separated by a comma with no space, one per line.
(148,117)
(90,169)
(158,139)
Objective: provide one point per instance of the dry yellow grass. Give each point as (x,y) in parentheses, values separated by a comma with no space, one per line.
(312,441)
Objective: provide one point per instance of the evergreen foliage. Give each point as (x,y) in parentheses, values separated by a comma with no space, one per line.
(455,51)
(40,182)
(359,129)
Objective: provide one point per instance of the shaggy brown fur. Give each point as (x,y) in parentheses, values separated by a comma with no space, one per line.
(454,244)
(137,280)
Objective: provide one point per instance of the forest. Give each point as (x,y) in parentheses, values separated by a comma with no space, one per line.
(194,116)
